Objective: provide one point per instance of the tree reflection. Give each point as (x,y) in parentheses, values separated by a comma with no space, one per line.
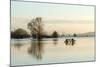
(36,49)
(55,41)
(18,45)
(70,42)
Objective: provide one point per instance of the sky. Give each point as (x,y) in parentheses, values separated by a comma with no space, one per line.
(60,17)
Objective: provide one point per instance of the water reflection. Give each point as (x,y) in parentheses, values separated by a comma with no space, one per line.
(55,41)
(36,49)
(70,41)
(18,45)
(32,52)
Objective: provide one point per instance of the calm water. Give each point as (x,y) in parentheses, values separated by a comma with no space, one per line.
(28,51)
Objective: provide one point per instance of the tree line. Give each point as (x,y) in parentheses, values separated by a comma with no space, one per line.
(21,33)
(36,29)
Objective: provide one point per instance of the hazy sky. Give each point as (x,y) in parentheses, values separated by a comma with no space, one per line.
(60,17)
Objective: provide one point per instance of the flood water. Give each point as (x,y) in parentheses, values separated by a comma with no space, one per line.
(50,50)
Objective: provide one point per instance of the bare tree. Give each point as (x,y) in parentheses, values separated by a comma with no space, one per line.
(36,27)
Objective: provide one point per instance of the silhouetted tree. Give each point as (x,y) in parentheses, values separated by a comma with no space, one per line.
(19,33)
(55,34)
(74,35)
(36,27)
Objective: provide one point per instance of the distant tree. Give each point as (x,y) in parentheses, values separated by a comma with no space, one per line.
(63,35)
(55,34)
(74,35)
(19,33)
(36,27)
